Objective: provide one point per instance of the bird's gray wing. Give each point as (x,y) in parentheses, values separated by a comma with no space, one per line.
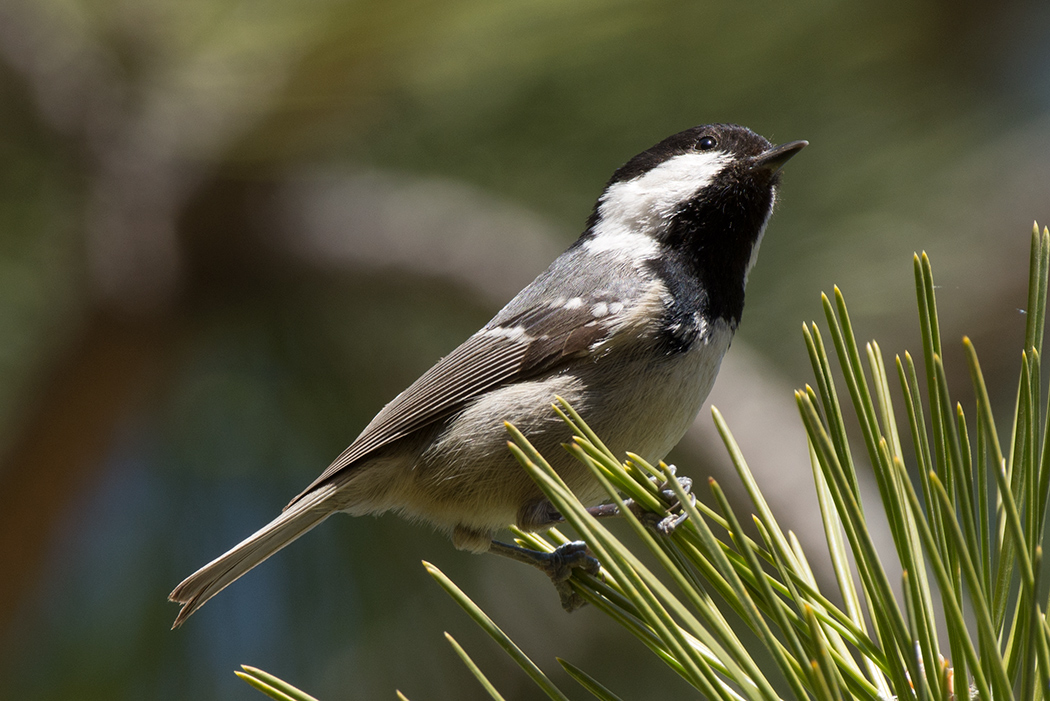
(511,348)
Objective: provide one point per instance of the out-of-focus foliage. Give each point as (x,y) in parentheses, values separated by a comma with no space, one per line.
(230,231)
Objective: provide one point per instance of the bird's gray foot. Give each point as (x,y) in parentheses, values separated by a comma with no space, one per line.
(662,524)
(557,565)
(676,515)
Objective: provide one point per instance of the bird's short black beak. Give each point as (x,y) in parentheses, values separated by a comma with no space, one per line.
(775,158)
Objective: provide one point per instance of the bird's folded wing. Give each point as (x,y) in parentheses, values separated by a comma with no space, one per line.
(507,350)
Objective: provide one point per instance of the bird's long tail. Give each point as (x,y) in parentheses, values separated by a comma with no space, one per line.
(209,580)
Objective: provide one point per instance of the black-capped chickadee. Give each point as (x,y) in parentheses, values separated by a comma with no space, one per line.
(629,325)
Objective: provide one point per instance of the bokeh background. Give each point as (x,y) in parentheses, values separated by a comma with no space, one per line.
(231,230)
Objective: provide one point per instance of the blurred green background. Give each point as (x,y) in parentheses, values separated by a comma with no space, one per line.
(231,231)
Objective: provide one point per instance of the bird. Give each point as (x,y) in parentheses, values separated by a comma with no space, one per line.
(629,325)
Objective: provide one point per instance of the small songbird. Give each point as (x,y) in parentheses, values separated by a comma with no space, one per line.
(629,325)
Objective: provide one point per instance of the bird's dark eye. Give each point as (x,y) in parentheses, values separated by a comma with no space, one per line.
(706,143)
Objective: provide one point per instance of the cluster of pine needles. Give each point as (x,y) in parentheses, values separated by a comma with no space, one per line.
(966,506)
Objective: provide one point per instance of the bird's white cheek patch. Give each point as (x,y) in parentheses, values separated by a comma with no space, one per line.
(630,211)
(658,193)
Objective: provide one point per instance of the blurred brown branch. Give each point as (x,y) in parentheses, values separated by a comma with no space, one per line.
(69,425)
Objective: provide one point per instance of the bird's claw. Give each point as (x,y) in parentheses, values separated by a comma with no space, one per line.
(560,565)
(666,524)
(568,557)
(676,515)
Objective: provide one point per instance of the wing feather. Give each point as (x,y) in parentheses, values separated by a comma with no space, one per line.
(488,359)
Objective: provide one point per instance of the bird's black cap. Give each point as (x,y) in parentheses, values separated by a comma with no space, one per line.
(731,138)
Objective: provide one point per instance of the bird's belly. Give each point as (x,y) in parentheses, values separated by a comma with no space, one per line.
(655,408)
(468,477)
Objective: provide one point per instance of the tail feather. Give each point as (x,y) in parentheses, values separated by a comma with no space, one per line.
(218,574)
